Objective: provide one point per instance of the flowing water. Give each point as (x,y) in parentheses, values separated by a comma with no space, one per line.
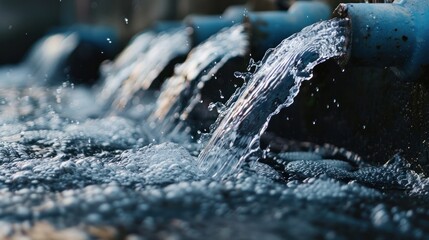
(138,45)
(181,92)
(114,74)
(170,44)
(67,172)
(272,87)
(44,64)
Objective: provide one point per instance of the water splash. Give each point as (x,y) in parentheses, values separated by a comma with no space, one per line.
(181,92)
(164,48)
(272,87)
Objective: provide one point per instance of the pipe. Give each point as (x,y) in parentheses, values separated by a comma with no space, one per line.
(162,26)
(268,29)
(106,39)
(203,27)
(394,35)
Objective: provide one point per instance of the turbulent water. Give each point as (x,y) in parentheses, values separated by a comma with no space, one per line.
(273,86)
(141,73)
(181,92)
(66,172)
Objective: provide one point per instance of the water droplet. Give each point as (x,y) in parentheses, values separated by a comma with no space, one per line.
(126,20)
(221,95)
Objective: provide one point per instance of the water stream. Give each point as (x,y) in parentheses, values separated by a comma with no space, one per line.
(43,65)
(181,92)
(115,73)
(272,87)
(141,73)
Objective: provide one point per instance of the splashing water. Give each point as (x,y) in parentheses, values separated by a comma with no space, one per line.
(182,91)
(164,48)
(272,87)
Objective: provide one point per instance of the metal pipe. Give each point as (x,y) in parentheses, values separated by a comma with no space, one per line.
(162,26)
(202,27)
(268,29)
(394,35)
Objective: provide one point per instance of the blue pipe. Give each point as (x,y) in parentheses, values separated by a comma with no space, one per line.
(102,37)
(394,35)
(268,29)
(203,27)
(234,12)
(162,26)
